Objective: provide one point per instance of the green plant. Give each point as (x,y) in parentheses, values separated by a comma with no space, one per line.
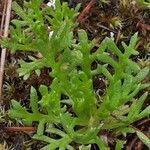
(143,4)
(70,61)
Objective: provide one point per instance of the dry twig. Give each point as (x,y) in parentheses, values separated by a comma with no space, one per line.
(3,52)
(3,18)
(21,129)
(85,11)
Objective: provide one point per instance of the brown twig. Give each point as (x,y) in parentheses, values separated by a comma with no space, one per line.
(106,28)
(21,129)
(118,37)
(3,18)
(85,11)
(145,121)
(3,53)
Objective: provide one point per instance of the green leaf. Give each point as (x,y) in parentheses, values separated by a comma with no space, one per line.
(16,105)
(101,144)
(107,59)
(85,147)
(43,90)
(113,47)
(119,145)
(143,138)
(136,107)
(43,138)
(144,113)
(18,111)
(143,4)
(34,100)
(141,75)
(41,126)
(126,130)
(68,123)
(133,41)
(132,66)
(20,23)
(51,101)
(130,50)
(27,68)
(38,72)
(115,96)
(19,11)
(56,131)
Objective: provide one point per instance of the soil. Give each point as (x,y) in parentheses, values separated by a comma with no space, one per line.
(120,19)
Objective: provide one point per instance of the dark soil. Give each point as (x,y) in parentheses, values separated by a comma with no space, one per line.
(117,19)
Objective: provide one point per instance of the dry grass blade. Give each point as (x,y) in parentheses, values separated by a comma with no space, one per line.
(3,53)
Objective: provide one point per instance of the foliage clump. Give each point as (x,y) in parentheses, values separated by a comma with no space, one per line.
(81,115)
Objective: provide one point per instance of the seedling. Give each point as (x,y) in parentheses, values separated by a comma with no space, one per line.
(81,116)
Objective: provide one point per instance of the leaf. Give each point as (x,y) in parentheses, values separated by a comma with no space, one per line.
(145,85)
(27,68)
(130,50)
(132,66)
(84,136)
(107,59)
(101,144)
(19,22)
(119,145)
(69,147)
(133,41)
(16,105)
(143,138)
(43,90)
(141,75)
(19,11)
(144,113)
(126,130)
(41,126)
(105,72)
(102,47)
(136,107)
(38,72)
(83,40)
(85,147)
(113,47)
(68,123)
(17,111)
(115,96)
(34,100)
(43,138)
(56,131)
(47,147)
(136,89)
(25,77)
(51,101)
(127,85)
(144,4)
